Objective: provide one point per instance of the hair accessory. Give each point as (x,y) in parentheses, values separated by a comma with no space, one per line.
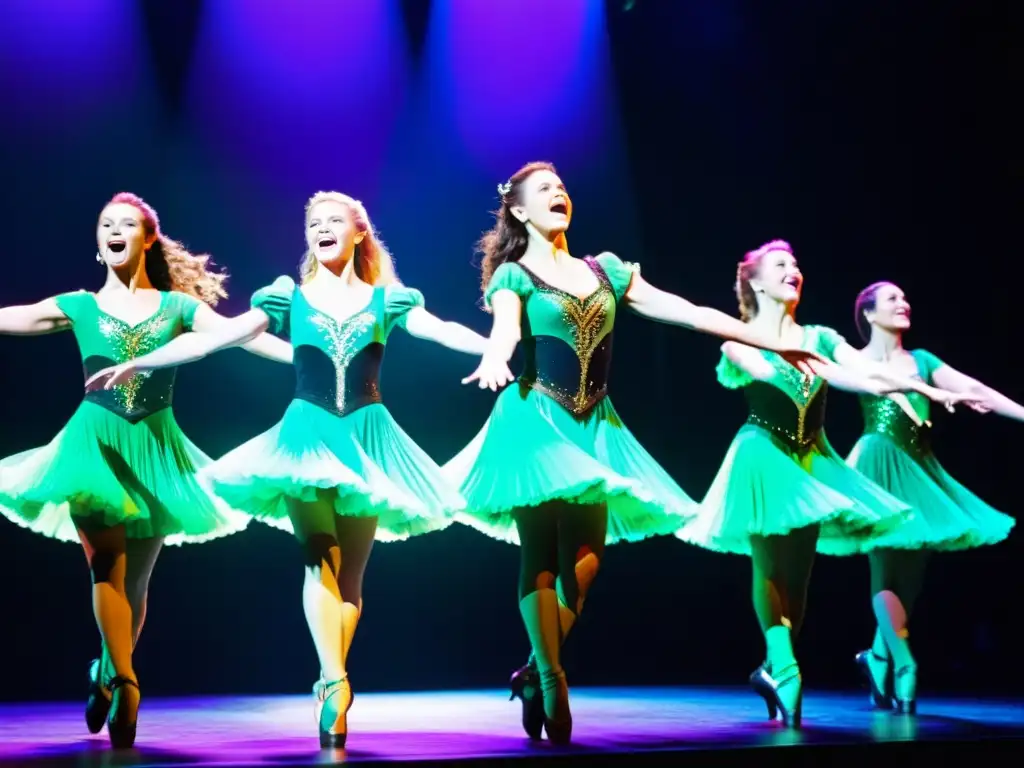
(504,189)
(99,258)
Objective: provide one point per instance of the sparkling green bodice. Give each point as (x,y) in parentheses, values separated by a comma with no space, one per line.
(105,340)
(884,416)
(337,361)
(790,404)
(567,342)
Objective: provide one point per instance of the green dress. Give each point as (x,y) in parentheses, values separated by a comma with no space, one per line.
(780,474)
(896,453)
(555,435)
(336,434)
(122,457)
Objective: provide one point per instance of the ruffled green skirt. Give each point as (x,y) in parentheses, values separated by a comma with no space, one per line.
(947,516)
(104,470)
(532,451)
(366,463)
(763,488)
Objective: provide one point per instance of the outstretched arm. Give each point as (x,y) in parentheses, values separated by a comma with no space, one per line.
(493,371)
(851,380)
(206,320)
(186,348)
(423,325)
(33,319)
(663,307)
(987,398)
(756,366)
(852,360)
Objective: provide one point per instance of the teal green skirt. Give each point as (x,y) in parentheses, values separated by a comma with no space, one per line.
(763,488)
(363,462)
(533,451)
(946,517)
(104,470)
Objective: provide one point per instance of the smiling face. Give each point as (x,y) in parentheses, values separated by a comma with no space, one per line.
(332,231)
(121,235)
(544,203)
(778,277)
(891,311)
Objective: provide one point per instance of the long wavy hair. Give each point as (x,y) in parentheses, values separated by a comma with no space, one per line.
(508,238)
(866,302)
(373,262)
(170,266)
(746,271)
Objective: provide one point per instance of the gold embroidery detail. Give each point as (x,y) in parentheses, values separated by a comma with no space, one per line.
(802,389)
(586,321)
(799,438)
(341,341)
(129,342)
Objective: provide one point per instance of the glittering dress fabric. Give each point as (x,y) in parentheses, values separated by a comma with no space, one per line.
(896,453)
(336,440)
(554,434)
(121,458)
(781,474)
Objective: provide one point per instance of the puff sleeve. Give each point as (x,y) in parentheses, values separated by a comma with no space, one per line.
(276,301)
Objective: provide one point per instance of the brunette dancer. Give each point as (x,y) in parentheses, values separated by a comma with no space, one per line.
(895,451)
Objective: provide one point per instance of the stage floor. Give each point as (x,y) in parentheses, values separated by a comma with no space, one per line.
(638,725)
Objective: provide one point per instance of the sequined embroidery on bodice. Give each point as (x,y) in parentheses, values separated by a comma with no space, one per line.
(338,362)
(884,416)
(791,405)
(111,341)
(568,343)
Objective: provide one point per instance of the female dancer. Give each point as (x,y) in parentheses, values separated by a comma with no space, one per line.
(121,477)
(781,487)
(895,452)
(336,470)
(554,469)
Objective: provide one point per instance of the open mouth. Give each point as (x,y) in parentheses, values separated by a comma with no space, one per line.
(324,243)
(560,207)
(792,282)
(116,246)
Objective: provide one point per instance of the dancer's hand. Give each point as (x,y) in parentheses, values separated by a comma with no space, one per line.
(950,400)
(978,401)
(493,373)
(109,378)
(803,360)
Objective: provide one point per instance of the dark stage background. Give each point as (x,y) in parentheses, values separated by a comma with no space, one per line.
(873,135)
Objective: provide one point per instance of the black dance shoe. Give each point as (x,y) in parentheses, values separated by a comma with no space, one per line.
(97,703)
(123,720)
(782,697)
(525,685)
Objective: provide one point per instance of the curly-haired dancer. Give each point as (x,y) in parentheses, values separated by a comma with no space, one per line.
(121,477)
(336,470)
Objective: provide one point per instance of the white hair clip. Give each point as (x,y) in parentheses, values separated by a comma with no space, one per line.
(504,189)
